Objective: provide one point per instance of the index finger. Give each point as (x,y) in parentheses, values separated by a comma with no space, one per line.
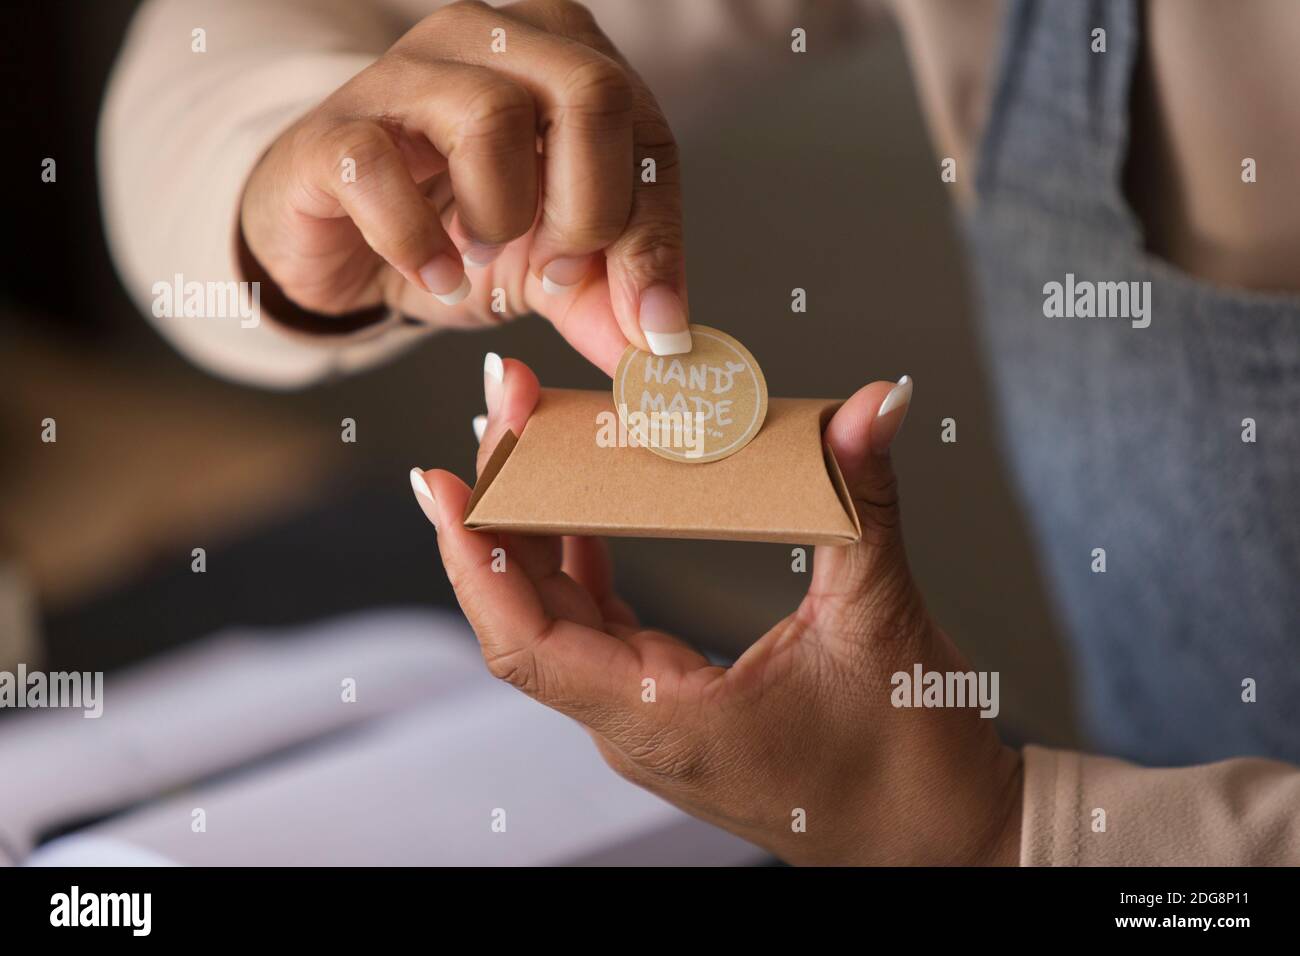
(577,670)
(585,111)
(511,391)
(645,259)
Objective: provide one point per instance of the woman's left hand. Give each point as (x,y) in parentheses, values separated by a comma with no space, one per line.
(797,746)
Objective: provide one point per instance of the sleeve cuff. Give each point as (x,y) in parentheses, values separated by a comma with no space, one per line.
(1053,808)
(1084,810)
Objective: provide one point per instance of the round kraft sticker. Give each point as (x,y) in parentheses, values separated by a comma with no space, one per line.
(698,407)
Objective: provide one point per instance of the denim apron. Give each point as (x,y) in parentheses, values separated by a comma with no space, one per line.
(1131,439)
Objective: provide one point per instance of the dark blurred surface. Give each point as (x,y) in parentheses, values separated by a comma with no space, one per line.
(56,56)
(155,458)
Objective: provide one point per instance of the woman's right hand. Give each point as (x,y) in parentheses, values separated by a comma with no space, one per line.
(420,185)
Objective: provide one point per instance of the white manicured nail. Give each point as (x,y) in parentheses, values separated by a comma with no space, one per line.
(563,274)
(898,396)
(668,343)
(477,255)
(494,374)
(424,497)
(480,426)
(456,295)
(662,318)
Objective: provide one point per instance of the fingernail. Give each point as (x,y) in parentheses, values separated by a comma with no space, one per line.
(445,279)
(898,400)
(462,290)
(479,254)
(424,497)
(480,426)
(494,373)
(663,320)
(561,275)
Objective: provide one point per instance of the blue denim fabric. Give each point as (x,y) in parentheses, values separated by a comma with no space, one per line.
(1130,439)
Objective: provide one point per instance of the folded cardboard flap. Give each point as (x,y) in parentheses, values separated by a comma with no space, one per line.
(784,486)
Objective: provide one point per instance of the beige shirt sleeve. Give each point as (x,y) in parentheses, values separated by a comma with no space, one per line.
(1243,812)
(180,132)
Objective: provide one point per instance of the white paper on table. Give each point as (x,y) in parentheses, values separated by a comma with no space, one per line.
(413,773)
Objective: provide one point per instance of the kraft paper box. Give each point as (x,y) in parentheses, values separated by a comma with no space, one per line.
(784,486)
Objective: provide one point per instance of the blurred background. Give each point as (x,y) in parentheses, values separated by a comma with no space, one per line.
(155,458)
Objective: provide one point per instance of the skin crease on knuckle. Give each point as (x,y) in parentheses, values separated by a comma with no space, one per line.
(582,228)
(362,141)
(881,507)
(498,117)
(516,667)
(655,140)
(652,250)
(596,95)
(405,246)
(498,131)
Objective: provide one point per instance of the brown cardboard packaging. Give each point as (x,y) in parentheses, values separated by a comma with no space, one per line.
(784,486)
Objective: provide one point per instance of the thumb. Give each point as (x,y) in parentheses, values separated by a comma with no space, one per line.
(873,571)
(860,435)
